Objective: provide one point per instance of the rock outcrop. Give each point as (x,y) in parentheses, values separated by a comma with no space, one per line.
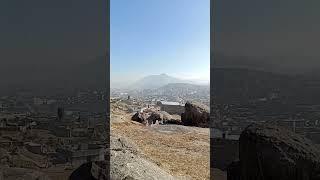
(154,118)
(150,117)
(138,117)
(195,115)
(270,152)
(147,118)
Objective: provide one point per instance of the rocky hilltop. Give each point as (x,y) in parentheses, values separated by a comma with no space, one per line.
(141,148)
(270,152)
(195,114)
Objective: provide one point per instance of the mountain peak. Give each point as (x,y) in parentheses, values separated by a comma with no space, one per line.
(163,74)
(155,81)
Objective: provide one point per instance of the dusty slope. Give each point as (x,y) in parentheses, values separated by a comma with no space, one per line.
(179,150)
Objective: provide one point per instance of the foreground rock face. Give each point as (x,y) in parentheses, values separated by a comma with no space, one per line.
(127,163)
(270,152)
(195,115)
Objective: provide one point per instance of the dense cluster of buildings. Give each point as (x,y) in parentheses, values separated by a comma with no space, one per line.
(53,131)
(300,118)
(152,96)
(229,120)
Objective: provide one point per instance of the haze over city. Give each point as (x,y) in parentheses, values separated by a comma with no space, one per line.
(278,36)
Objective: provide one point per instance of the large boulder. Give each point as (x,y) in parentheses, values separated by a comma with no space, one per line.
(138,117)
(147,118)
(154,118)
(195,115)
(270,152)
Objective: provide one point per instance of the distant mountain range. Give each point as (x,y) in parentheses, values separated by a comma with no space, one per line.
(241,84)
(289,64)
(180,89)
(183,86)
(157,81)
(53,78)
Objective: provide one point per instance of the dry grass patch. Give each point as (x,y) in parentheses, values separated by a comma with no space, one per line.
(181,153)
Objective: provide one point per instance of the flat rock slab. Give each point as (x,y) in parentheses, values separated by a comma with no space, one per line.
(173,129)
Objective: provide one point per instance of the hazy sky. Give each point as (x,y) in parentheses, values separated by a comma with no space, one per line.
(51,32)
(39,38)
(160,36)
(283,29)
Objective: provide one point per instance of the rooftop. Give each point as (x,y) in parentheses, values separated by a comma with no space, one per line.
(170,103)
